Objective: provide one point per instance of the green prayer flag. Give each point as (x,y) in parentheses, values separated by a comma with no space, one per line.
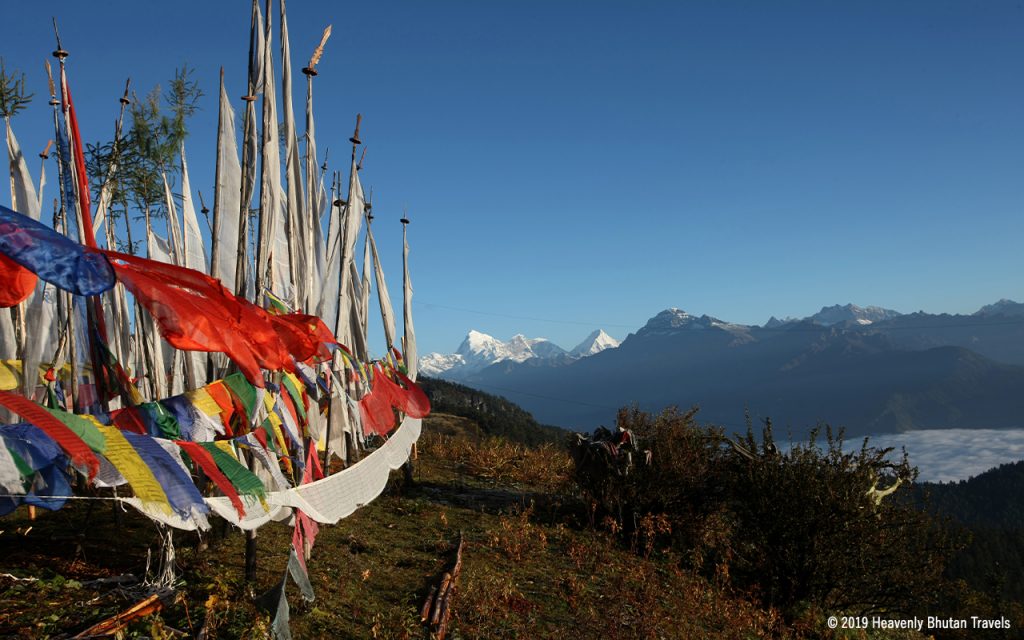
(244,481)
(165,420)
(82,428)
(245,392)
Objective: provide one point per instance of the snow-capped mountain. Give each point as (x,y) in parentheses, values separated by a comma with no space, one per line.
(480,350)
(852,313)
(434,364)
(544,348)
(594,343)
(671,320)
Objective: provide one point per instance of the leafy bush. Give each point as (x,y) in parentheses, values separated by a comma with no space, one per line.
(808,526)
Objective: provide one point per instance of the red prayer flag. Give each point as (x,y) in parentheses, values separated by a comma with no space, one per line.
(128,419)
(305,336)
(305,527)
(226,401)
(80,174)
(414,402)
(269,349)
(16,282)
(375,407)
(195,312)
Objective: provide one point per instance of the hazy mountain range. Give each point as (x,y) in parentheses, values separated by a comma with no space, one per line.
(869,369)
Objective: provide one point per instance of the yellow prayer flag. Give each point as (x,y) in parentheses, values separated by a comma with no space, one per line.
(126,460)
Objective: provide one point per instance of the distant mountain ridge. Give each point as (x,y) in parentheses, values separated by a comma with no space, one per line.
(852,313)
(869,369)
(1003,307)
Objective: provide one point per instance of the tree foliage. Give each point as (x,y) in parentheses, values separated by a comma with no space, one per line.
(495,415)
(798,527)
(148,148)
(13,96)
(990,506)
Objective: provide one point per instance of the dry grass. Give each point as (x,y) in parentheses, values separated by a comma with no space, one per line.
(527,572)
(545,468)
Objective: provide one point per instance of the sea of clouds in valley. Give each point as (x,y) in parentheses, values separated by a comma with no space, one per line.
(944,455)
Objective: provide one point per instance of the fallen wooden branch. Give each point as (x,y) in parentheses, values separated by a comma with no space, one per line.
(437,608)
(428,604)
(435,615)
(112,625)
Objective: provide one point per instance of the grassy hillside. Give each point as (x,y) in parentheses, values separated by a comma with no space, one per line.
(537,563)
(533,568)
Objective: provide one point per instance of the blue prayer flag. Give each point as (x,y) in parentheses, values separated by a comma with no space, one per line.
(46,459)
(53,257)
(181,491)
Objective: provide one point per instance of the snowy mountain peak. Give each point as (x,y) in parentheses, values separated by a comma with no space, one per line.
(479,344)
(435,364)
(670,318)
(837,314)
(475,341)
(594,343)
(544,348)
(480,350)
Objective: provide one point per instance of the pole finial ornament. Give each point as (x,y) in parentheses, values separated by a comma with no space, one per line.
(355,136)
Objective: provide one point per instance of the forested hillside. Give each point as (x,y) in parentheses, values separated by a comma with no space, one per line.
(495,415)
(991,507)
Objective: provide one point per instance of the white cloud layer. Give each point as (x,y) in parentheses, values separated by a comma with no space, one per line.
(944,455)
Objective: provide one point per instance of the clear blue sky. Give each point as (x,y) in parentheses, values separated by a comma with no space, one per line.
(587,164)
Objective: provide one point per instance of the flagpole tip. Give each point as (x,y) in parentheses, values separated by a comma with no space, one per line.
(404,220)
(355,135)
